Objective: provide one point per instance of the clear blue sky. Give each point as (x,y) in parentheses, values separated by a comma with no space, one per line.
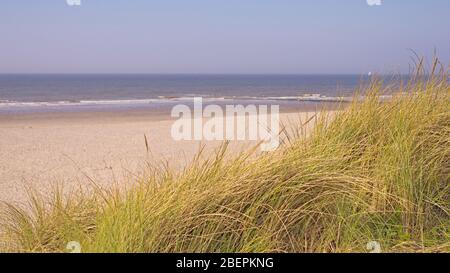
(220,36)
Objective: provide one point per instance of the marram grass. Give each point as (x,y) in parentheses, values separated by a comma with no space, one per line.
(378,171)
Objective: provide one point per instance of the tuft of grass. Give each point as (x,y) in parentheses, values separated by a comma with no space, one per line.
(376,171)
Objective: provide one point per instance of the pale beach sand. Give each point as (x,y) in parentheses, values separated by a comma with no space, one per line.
(73,149)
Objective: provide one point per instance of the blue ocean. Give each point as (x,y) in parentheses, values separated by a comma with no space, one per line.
(47,92)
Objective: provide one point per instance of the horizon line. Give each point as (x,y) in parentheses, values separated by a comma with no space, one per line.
(208,74)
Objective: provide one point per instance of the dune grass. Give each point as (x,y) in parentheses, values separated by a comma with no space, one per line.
(378,171)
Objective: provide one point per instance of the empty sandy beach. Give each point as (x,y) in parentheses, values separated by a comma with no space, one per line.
(73,149)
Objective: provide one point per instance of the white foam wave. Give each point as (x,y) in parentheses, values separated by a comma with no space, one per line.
(163,99)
